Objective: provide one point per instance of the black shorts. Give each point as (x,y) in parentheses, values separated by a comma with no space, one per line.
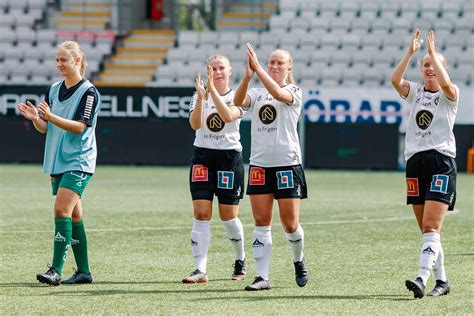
(283,182)
(217,172)
(431,175)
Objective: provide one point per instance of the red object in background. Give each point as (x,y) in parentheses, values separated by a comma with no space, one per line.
(157,7)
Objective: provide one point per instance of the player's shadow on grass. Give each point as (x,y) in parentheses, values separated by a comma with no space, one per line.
(378,297)
(95,292)
(20,284)
(461,254)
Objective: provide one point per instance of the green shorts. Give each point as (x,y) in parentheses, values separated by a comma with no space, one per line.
(76,181)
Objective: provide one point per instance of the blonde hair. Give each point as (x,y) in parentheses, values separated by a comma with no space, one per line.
(76,51)
(438,55)
(289,77)
(218,56)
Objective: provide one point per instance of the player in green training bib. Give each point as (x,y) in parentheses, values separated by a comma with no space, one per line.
(68,117)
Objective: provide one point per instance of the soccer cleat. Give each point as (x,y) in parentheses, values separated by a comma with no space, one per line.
(416,286)
(441,288)
(196,277)
(259,284)
(240,270)
(50,277)
(78,278)
(301,273)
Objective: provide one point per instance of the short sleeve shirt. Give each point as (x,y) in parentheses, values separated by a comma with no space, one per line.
(431,121)
(214,132)
(274,133)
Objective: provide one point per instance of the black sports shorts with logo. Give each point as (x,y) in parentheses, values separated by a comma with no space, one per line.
(431,175)
(283,182)
(217,172)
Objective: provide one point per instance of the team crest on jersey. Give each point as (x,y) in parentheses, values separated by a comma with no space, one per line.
(257,176)
(412,187)
(439,183)
(267,114)
(225,180)
(199,173)
(424,119)
(215,123)
(285,179)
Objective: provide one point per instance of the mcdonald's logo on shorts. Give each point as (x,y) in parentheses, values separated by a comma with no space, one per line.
(257,176)
(412,187)
(200,173)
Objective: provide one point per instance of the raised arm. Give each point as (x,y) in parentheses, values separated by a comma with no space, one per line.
(440,70)
(227,113)
(279,93)
(195,117)
(72,126)
(30,112)
(241,98)
(401,85)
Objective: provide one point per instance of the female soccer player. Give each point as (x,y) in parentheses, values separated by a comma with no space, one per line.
(217,166)
(68,117)
(430,149)
(275,162)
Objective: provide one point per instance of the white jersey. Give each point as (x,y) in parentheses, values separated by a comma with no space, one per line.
(274,134)
(431,121)
(214,132)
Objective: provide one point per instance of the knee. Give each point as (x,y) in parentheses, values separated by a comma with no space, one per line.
(202,215)
(262,221)
(60,212)
(76,217)
(290,227)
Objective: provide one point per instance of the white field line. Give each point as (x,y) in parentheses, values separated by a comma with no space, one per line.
(215,226)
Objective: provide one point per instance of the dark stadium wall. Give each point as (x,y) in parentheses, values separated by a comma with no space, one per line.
(150,126)
(351,146)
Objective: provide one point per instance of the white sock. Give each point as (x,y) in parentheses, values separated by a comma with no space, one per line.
(428,255)
(200,240)
(235,232)
(438,270)
(296,241)
(262,249)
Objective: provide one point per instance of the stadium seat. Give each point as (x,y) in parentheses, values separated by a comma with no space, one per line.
(229,38)
(185,82)
(163,82)
(188,38)
(321,56)
(278,22)
(308,83)
(300,23)
(330,40)
(319,25)
(271,38)
(360,26)
(25,34)
(8,36)
(42,70)
(291,41)
(166,71)
(198,56)
(289,6)
(8,21)
(208,39)
(177,55)
(364,57)
(250,37)
(225,49)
